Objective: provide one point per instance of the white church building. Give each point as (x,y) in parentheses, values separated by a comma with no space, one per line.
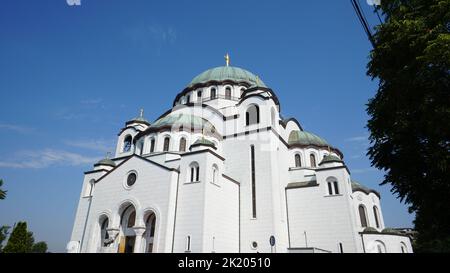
(223,171)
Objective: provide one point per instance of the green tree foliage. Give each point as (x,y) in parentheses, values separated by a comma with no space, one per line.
(2,192)
(410,114)
(3,235)
(20,240)
(39,247)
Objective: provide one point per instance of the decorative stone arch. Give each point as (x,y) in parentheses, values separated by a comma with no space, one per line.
(147,236)
(127,143)
(119,207)
(193,172)
(380,246)
(403,247)
(252,114)
(313,155)
(180,137)
(164,138)
(298,159)
(228,91)
(362,213)
(213,92)
(333,186)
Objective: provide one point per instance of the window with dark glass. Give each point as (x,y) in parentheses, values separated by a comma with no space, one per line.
(252,115)
(199,95)
(131,179)
(213,93)
(312,158)
(131,219)
(375,214)
(336,187)
(166,144)
(127,143)
(330,188)
(152,145)
(228,93)
(182,144)
(362,216)
(298,161)
(104,233)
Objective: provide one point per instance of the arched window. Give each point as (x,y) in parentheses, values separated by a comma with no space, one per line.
(152,145)
(182,144)
(213,93)
(199,95)
(131,219)
(252,115)
(376,215)
(381,248)
(312,159)
(298,161)
(215,172)
(166,144)
(127,143)
(362,215)
(228,93)
(403,248)
(188,99)
(150,224)
(103,231)
(194,170)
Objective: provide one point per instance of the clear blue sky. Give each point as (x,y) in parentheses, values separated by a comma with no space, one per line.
(71,76)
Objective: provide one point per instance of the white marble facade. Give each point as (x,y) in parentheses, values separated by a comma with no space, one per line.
(223,171)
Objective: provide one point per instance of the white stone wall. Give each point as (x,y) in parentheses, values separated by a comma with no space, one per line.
(154,190)
(390,243)
(218,217)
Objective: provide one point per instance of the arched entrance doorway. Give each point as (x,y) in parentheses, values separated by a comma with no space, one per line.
(127,234)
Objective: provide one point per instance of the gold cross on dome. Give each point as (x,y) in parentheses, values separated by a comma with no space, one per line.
(227,59)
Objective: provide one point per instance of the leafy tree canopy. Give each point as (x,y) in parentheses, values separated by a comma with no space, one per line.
(20,240)
(410,114)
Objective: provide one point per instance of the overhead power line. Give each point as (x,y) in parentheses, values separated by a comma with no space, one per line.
(363,21)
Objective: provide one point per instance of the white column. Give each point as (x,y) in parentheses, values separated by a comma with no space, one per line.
(139,231)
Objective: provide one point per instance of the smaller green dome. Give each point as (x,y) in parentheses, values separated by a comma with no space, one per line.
(370,229)
(223,73)
(356,186)
(305,138)
(329,159)
(203,141)
(139,119)
(106,162)
(390,230)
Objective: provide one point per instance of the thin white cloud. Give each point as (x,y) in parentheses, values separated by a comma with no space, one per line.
(358,139)
(16,128)
(46,158)
(363,170)
(101,145)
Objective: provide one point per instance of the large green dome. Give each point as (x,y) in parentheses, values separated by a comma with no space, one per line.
(306,138)
(223,73)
